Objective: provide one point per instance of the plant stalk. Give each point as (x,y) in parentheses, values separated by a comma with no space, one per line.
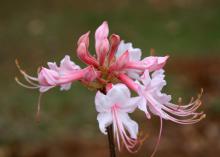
(111,141)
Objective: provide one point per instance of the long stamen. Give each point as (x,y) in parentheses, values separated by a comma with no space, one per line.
(24,85)
(191,120)
(37,117)
(159,136)
(128,142)
(23,72)
(116,133)
(184,112)
(29,81)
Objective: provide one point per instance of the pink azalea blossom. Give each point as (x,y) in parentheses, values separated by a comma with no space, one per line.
(115,56)
(116,66)
(132,64)
(63,76)
(113,109)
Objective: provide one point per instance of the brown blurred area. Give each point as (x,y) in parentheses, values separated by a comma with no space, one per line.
(35,32)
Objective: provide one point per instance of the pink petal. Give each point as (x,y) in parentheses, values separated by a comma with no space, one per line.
(90,74)
(120,62)
(102,31)
(101,42)
(84,39)
(115,41)
(85,56)
(154,63)
(47,77)
(128,81)
(68,65)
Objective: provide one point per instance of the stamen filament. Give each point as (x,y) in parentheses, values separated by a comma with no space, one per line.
(158,139)
(24,85)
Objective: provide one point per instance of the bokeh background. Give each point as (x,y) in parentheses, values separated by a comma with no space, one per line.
(35,32)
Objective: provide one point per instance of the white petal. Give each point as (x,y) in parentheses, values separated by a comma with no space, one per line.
(122,48)
(162,97)
(104,119)
(145,78)
(134,74)
(119,93)
(52,66)
(131,104)
(102,102)
(130,125)
(135,54)
(67,64)
(159,73)
(158,81)
(143,107)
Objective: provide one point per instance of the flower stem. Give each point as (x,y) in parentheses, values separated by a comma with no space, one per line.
(110,134)
(111,141)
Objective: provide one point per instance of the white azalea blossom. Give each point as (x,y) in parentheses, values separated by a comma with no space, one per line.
(113,109)
(159,103)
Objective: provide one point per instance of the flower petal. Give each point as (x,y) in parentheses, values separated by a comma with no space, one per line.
(102,102)
(102,31)
(131,104)
(130,125)
(143,107)
(43,89)
(154,63)
(134,53)
(114,41)
(104,119)
(84,39)
(68,65)
(101,42)
(53,66)
(119,94)
(145,78)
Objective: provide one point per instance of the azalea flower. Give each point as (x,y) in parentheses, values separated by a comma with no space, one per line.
(115,57)
(113,108)
(132,64)
(159,103)
(149,87)
(114,68)
(63,76)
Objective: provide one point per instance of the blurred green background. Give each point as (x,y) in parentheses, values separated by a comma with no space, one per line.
(35,32)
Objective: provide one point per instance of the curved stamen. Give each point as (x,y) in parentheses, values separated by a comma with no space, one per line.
(119,129)
(27,77)
(23,72)
(24,85)
(159,137)
(38,108)
(29,81)
(158,107)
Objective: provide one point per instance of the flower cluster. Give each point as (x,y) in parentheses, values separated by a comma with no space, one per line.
(116,69)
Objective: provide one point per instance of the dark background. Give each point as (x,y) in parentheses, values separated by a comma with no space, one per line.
(35,32)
